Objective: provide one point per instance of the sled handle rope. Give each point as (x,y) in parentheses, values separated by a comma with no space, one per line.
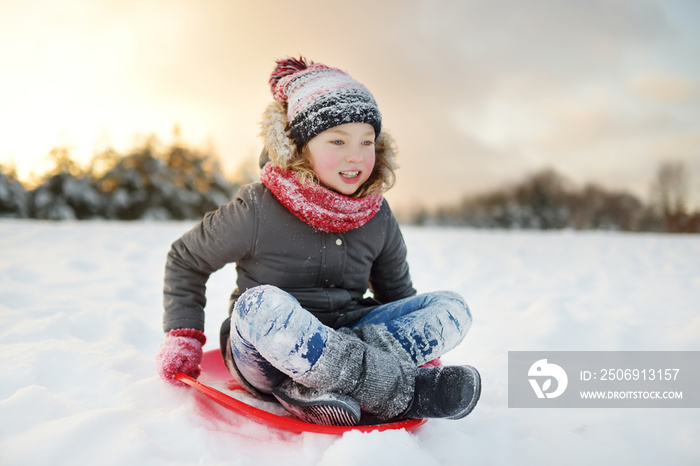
(287,423)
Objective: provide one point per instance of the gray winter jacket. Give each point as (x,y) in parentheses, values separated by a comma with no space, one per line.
(328,273)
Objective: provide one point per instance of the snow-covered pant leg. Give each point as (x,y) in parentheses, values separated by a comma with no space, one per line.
(426,326)
(273,337)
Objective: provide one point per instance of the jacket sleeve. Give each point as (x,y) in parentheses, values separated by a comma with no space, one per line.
(221,237)
(390,279)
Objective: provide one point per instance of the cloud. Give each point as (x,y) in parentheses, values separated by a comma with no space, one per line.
(504,88)
(665,88)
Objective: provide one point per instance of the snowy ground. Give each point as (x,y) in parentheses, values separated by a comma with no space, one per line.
(80,311)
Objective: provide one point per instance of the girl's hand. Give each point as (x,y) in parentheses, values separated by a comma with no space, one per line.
(180,352)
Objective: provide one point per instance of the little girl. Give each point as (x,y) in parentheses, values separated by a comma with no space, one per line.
(309,240)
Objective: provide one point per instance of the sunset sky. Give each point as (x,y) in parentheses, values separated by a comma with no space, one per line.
(476,93)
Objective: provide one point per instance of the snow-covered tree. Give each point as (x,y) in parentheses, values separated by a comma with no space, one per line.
(66,193)
(547,200)
(179,184)
(13,196)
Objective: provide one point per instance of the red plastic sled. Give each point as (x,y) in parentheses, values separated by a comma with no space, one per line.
(214,372)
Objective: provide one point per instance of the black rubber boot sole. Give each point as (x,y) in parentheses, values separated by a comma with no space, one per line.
(319,408)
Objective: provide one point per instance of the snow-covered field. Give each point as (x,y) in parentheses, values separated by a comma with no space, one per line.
(80,311)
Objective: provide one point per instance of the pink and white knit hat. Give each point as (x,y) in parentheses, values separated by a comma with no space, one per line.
(319,97)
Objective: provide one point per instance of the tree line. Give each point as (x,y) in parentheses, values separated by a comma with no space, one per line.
(174,183)
(178,182)
(547,200)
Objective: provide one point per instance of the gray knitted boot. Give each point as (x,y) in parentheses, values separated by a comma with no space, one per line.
(380,378)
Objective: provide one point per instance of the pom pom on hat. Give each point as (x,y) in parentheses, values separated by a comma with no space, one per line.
(287,67)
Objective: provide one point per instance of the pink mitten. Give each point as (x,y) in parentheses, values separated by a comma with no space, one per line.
(180,352)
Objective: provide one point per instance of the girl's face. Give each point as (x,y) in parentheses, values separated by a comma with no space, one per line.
(343,157)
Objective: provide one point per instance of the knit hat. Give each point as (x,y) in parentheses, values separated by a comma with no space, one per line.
(319,97)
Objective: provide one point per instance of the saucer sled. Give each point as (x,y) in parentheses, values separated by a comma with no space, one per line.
(217,383)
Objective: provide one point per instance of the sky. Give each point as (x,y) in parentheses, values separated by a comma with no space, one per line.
(477,94)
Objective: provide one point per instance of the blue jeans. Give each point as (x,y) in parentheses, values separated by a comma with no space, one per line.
(273,338)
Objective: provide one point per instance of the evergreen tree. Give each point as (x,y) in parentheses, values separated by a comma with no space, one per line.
(180,184)
(66,193)
(13,196)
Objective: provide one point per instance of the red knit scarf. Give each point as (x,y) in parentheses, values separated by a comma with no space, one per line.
(317,206)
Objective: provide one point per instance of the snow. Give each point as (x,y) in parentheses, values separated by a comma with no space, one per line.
(80,312)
